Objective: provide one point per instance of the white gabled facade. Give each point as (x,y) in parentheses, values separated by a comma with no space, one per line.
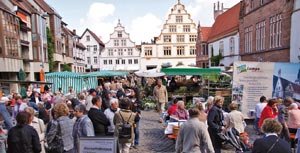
(120,52)
(229,48)
(295,39)
(175,44)
(92,52)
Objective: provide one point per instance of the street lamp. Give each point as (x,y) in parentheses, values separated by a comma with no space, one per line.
(42,37)
(74,38)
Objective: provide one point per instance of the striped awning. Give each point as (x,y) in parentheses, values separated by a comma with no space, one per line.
(65,79)
(106,73)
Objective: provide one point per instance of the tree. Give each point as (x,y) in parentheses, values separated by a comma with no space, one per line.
(50,46)
(66,67)
(216,59)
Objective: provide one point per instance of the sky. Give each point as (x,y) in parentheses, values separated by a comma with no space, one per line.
(142,19)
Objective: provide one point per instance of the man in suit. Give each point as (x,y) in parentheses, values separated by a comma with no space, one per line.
(271,143)
(98,118)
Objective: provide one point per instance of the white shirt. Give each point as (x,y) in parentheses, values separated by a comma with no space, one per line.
(110,116)
(259,108)
(37,100)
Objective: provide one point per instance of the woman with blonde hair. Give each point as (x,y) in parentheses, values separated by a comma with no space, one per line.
(38,125)
(215,120)
(61,129)
(235,119)
(202,114)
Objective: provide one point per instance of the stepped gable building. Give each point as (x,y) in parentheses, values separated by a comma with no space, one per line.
(265,28)
(120,52)
(223,39)
(202,59)
(295,28)
(176,43)
(94,46)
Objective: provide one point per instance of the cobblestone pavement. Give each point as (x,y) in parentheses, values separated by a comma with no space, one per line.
(153,139)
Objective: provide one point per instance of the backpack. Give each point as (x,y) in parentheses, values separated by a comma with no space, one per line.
(125,129)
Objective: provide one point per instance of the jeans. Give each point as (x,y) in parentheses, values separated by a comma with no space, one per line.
(34,106)
(6,116)
(137,134)
(256,125)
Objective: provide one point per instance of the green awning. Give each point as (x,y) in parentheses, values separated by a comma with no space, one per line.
(190,71)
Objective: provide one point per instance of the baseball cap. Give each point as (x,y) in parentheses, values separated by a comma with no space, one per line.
(4,99)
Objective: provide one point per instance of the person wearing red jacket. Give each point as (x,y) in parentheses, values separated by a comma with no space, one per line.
(270,111)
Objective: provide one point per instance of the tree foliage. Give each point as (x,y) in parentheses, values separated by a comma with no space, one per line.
(216,59)
(66,67)
(50,46)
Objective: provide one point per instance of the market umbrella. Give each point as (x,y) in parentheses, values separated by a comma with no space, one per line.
(149,73)
(21,75)
(42,79)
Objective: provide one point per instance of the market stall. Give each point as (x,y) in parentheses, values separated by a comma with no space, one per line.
(65,79)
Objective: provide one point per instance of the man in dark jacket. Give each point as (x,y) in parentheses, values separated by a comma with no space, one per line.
(23,138)
(100,122)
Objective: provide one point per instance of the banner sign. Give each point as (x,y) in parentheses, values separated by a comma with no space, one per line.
(98,145)
(251,80)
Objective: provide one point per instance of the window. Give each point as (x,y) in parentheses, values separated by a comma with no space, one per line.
(172,28)
(105,62)
(192,50)
(260,35)
(123,42)
(167,38)
(148,51)
(167,51)
(87,38)
(252,4)
(120,52)
(117,61)
(110,52)
(180,50)
(231,45)
(261,2)
(110,62)
(136,61)
(95,60)
(130,51)
(95,48)
(123,61)
(129,61)
(186,28)
(193,38)
(221,47)
(12,46)
(116,42)
(180,38)
(275,31)
(248,40)
(119,34)
(179,19)
(88,60)
(88,48)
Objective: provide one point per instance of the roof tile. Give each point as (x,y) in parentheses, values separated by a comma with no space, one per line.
(225,23)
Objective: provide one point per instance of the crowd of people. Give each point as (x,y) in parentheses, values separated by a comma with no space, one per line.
(54,122)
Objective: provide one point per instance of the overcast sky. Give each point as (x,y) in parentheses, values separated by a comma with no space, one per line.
(143,19)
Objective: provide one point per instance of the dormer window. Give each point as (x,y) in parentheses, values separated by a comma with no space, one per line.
(179,11)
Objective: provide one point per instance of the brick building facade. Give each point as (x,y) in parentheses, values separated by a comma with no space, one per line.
(265,30)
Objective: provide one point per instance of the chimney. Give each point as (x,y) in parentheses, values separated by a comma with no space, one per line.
(222,7)
(74,31)
(218,10)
